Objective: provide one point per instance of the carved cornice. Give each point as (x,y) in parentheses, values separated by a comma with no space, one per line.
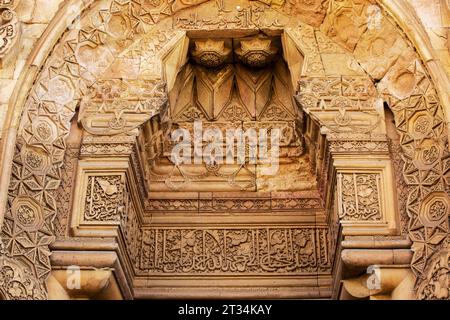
(226,203)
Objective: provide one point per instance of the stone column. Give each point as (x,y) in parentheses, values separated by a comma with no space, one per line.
(360,174)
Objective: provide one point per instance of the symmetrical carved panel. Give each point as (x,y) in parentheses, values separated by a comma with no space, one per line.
(346,104)
(360,196)
(104,199)
(251,95)
(122,105)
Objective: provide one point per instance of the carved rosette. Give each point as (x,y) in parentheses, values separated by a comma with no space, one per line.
(67,76)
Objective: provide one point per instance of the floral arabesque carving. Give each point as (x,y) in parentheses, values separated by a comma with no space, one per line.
(116,106)
(437,283)
(17,281)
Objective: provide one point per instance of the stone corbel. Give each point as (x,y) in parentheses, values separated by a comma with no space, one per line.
(81,274)
(93,284)
(373,267)
(382,283)
(376,269)
(9,28)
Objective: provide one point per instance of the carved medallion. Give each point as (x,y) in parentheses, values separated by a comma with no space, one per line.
(27,213)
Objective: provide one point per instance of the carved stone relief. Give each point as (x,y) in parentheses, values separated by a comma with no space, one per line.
(360,196)
(65,191)
(436,285)
(229,251)
(112,68)
(104,198)
(253,93)
(343,105)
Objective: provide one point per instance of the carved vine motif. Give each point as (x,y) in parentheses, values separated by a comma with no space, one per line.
(402,188)
(245,204)
(341,97)
(122,107)
(243,251)
(104,198)
(17,281)
(360,196)
(131,228)
(423,139)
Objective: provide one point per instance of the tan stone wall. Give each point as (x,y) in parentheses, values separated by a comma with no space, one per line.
(34,17)
(435,17)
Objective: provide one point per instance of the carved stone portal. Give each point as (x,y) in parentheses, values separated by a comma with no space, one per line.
(362,165)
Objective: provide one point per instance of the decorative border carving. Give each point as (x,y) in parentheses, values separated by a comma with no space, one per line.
(243,251)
